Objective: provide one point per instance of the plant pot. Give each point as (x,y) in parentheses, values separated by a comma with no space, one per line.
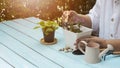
(70,37)
(49,38)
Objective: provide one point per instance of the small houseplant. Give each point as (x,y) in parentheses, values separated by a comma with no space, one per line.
(70,26)
(48,29)
(73,31)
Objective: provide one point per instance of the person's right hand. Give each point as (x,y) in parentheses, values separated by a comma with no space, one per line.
(88,39)
(85,38)
(71,17)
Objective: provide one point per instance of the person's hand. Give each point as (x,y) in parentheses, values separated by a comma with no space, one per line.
(101,41)
(71,17)
(81,44)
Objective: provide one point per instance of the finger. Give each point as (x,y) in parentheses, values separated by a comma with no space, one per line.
(71,12)
(65,15)
(81,45)
(70,19)
(86,39)
(93,39)
(71,16)
(91,36)
(78,40)
(76,45)
(65,12)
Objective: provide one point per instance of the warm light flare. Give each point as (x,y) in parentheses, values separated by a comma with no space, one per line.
(44,9)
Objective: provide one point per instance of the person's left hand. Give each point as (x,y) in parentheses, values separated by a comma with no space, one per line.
(101,41)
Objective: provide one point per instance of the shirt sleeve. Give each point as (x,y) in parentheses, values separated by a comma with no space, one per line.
(94,14)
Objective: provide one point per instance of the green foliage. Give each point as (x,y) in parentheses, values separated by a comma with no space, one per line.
(75,28)
(69,26)
(43,9)
(47,26)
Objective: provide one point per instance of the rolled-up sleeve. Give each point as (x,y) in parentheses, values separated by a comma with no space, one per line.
(94,14)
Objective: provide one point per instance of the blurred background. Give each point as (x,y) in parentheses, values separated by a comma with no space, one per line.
(44,9)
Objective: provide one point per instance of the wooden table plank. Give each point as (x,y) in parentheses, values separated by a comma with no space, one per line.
(25,34)
(76,58)
(26,53)
(104,64)
(5,64)
(23,22)
(13,59)
(38,32)
(50,53)
(33,19)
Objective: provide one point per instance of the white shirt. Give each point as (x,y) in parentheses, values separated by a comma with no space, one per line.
(105,17)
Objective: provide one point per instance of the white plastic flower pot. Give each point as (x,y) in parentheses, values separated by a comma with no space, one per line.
(70,37)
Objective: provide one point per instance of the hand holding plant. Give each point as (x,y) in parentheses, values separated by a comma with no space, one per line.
(70,26)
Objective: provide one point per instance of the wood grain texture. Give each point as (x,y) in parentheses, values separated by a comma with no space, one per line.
(22,43)
(25,52)
(5,64)
(13,59)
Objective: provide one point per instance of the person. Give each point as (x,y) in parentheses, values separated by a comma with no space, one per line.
(103,18)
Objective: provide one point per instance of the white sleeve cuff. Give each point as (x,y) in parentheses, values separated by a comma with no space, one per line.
(94,20)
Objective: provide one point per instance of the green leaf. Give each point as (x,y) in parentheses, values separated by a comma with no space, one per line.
(48,26)
(42,23)
(49,30)
(59,19)
(36,27)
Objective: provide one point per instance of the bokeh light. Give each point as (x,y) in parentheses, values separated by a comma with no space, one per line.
(44,9)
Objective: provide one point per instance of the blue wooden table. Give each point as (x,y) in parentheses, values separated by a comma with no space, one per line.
(20,47)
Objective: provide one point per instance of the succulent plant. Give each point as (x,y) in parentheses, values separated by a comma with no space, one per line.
(69,26)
